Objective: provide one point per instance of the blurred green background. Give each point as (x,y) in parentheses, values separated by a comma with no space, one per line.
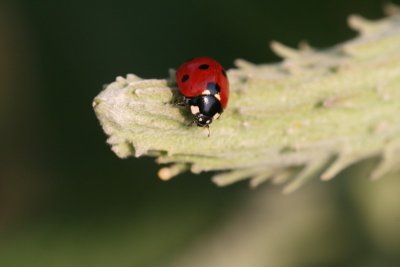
(67,200)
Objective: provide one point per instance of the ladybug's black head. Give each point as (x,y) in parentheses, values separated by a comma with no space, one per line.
(205,108)
(202,120)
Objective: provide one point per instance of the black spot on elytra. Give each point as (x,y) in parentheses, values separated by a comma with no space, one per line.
(204,66)
(214,88)
(185,78)
(223,72)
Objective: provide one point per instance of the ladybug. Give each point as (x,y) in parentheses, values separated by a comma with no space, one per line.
(205,88)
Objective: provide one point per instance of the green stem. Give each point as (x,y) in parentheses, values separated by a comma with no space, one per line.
(315,112)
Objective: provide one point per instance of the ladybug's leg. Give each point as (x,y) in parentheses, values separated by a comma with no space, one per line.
(180,101)
(190,101)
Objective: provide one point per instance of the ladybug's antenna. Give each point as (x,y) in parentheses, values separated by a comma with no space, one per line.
(208,128)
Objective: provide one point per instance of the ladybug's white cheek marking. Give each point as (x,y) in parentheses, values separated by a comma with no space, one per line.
(206,92)
(216,116)
(194,109)
(217,96)
(208,121)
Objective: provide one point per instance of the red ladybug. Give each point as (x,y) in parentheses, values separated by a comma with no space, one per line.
(205,88)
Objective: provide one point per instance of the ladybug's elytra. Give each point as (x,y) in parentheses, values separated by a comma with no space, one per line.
(205,88)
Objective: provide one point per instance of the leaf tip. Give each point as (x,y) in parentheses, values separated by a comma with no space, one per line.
(166,173)
(391,9)
(283,50)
